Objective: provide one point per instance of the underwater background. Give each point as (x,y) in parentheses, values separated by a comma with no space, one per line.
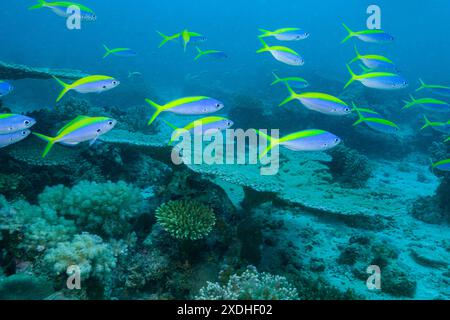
(140,227)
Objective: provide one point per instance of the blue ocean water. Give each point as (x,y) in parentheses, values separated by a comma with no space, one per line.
(378,199)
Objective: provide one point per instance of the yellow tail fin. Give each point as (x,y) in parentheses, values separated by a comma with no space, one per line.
(51,142)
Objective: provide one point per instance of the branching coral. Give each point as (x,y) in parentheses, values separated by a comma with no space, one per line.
(186,219)
(250,285)
(349,167)
(103,208)
(94,257)
(38,228)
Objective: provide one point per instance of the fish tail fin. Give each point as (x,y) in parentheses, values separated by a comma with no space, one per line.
(165,39)
(272,143)
(360,120)
(351,34)
(200,53)
(265,33)
(40,4)
(265,47)
(64,91)
(158,111)
(51,142)
(358,55)
(108,51)
(353,77)
(364,68)
(428,123)
(293,95)
(409,104)
(422,85)
(361,117)
(277,79)
(174,134)
(171,125)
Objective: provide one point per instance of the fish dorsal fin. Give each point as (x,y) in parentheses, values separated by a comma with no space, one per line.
(79,118)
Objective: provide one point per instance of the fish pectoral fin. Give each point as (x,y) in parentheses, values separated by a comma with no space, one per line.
(91,143)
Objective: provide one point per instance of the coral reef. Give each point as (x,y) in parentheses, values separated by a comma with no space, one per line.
(186,219)
(102,208)
(349,167)
(94,257)
(24,287)
(250,285)
(29,229)
(16,71)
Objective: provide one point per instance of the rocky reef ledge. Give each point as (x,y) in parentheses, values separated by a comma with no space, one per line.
(16,72)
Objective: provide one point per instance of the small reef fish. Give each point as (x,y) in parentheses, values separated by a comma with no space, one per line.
(283,54)
(167,38)
(15,122)
(5,88)
(211,53)
(428,104)
(375,121)
(436,89)
(320,102)
(443,127)
(308,140)
(186,36)
(443,165)
(79,130)
(372,36)
(90,84)
(373,61)
(120,52)
(14,137)
(187,106)
(293,82)
(61,7)
(285,34)
(207,125)
(378,80)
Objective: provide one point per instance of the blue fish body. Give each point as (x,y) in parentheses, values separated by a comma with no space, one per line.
(15,122)
(385,83)
(325,107)
(322,142)
(11,138)
(5,88)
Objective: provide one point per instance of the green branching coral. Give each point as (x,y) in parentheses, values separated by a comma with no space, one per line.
(94,257)
(103,208)
(186,219)
(250,285)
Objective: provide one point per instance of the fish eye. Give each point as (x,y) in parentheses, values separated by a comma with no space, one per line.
(218,105)
(99,130)
(26,122)
(24,133)
(110,123)
(347,109)
(337,140)
(228,123)
(114,82)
